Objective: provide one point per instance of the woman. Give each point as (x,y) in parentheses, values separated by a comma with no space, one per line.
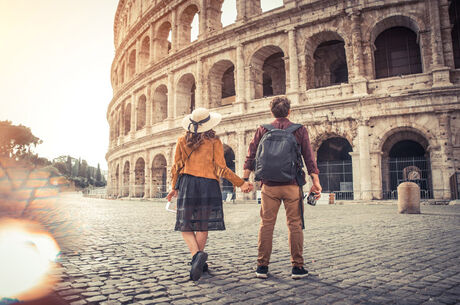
(198,164)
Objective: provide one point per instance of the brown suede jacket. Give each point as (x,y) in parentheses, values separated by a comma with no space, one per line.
(205,161)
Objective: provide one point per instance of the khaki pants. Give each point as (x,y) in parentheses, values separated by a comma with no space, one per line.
(271,201)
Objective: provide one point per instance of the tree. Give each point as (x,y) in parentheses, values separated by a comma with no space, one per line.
(82,171)
(16,141)
(98,173)
(75,169)
(69,166)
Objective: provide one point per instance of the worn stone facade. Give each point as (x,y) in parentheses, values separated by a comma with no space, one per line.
(374,82)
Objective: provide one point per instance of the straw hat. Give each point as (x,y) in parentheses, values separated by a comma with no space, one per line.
(201,120)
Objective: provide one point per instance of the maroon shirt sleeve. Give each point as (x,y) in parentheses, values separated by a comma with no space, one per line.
(251,156)
(307,152)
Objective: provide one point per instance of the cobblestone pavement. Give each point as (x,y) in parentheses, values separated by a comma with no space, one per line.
(126,252)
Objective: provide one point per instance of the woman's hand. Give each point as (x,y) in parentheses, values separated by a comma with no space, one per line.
(247,187)
(172,194)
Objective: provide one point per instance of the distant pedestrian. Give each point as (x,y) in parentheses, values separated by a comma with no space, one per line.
(275,154)
(198,164)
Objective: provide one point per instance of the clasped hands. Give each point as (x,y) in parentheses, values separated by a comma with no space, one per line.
(247,187)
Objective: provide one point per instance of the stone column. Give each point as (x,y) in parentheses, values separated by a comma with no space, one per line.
(148,110)
(152,43)
(364,160)
(147,178)
(171,99)
(199,101)
(202,20)
(446,30)
(356,178)
(137,66)
(359,81)
(293,92)
(441,77)
(133,116)
(240,10)
(445,139)
(174,31)
(240,84)
(132,177)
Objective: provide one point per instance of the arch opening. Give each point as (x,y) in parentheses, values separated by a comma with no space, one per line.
(141,112)
(397,52)
(189,19)
(454,16)
(145,52)
(132,64)
(222,84)
(163,41)
(127,119)
(185,95)
(268,72)
(159,182)
(160,104)
(139,178)
(405,158)
(125,189)
(335,167)
(330,64)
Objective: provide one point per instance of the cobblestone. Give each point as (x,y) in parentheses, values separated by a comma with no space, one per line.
(127,253)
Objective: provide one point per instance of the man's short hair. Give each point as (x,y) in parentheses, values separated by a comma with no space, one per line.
(280,107)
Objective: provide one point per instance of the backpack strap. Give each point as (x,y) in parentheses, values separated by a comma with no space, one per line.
(268,127)
(293,127)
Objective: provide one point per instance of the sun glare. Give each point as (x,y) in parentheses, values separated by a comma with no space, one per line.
(27,255)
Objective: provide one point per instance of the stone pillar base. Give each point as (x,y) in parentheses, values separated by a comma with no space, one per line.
(360,87)
(293,97)
(441,77)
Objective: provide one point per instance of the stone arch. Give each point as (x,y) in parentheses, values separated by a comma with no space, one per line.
(139,178)
(116,181)
(125,190)
(214,15)
(335,166)
(145,52)
(325,52)
(141,112)
(230,12)
(185,94)
(127,118)
(132,64)
(221,83)
(454,17)
(160,104)
(159,176)
(388,22)
(268,72)
(317,137)
(405,150)
(162,44)
(185,24)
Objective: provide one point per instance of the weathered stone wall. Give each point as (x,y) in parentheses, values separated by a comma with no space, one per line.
(173,76)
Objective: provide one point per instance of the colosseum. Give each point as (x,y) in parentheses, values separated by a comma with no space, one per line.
(376,83)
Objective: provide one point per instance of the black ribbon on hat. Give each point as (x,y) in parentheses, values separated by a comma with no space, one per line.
(196,124)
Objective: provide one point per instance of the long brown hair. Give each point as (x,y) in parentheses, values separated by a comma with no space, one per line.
(195,140)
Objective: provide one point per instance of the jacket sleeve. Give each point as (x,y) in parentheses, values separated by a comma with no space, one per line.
(221,167)
(178,163)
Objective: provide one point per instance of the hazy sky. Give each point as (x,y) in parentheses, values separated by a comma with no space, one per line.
(55,58)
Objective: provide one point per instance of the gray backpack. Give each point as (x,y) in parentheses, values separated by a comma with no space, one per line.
(278,156)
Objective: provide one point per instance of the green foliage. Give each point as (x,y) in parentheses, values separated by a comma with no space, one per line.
(98,173)
(16,141)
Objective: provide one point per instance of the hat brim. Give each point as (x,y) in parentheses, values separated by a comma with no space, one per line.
(213,122)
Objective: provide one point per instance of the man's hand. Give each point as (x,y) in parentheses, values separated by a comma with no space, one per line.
(316,187)
(246,187)
(172,194)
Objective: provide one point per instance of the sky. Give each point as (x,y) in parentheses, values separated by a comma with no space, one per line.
(55,59)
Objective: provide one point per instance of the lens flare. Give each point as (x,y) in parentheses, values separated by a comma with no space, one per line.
(27,256)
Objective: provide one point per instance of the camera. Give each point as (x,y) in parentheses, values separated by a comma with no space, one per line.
(311,200)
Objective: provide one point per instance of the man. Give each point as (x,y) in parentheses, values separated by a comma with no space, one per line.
(288,192)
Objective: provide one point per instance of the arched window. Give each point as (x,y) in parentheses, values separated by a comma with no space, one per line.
(268,72)
(221,83)
(185,95)
(139,178)
(141,112)
(187,20)
(145,52)
(127,119)
(163,41)
(160,104)
(454,15)
(125,190)
(330,64)
(335,167)
(132,64)
(159,176)
(397,53)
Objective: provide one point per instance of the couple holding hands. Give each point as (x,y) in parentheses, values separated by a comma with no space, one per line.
(199,163)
